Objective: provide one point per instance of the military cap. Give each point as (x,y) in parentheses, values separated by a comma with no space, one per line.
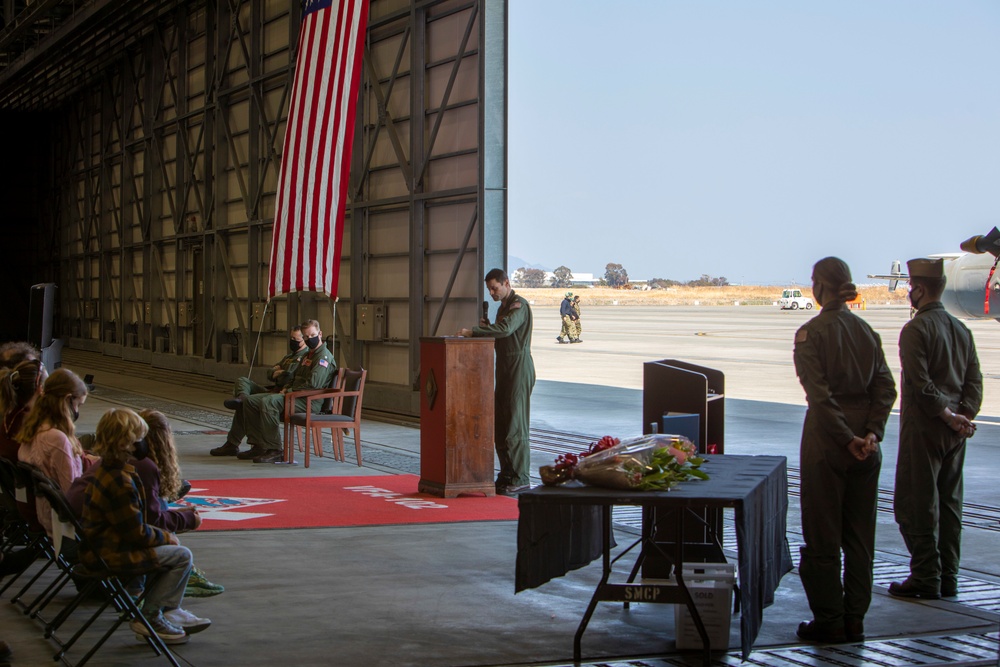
(925,268)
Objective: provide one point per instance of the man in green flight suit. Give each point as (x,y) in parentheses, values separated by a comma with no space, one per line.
(281,374)
(515,378)
(262,412)
(941,393)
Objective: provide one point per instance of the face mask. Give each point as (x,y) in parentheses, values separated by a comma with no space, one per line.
(140,449)
(76,414)
(312,342)
(913,300)
(294,345)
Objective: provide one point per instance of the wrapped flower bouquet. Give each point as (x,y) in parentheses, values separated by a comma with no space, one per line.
(645,463)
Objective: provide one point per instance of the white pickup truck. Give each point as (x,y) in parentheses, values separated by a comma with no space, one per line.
(792,299)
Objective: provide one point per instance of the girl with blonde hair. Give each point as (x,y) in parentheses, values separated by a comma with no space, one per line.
(161,479)
(117,531)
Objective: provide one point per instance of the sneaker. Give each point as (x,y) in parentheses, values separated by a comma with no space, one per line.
(198,586)
(182,618)
(164,629)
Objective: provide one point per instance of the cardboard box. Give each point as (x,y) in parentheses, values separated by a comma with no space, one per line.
(711,586)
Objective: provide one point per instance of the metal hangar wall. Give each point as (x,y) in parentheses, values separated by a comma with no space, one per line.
(152,208)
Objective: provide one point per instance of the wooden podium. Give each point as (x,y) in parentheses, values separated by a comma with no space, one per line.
(456,416)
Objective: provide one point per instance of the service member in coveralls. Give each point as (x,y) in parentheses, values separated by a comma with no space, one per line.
(262,412)
(849,393)
(515,378)
(941,393)
(281,374)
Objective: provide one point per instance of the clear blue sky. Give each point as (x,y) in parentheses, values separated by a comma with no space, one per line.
(750,138)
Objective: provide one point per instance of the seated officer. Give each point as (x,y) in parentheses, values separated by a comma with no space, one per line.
(281,375)
(262,412)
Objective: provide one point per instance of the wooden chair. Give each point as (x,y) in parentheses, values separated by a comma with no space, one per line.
(344,413)
(291,431)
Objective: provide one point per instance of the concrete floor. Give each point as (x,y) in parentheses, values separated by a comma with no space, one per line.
(443,594)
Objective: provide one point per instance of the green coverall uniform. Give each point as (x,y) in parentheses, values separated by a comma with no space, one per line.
(247,387)
(849,392)
(940,370)
(515,378)
(262,412)
(577,325)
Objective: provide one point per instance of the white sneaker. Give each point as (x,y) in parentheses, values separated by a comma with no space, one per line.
(165,630)
(186,620)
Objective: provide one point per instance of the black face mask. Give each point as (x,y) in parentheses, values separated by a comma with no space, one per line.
(76,414)
(140,449)
(294,345)
(312,342)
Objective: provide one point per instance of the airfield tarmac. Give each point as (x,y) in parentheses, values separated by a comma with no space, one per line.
(752,345)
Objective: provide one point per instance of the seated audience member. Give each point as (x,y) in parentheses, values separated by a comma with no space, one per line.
(262,412)
(281,374)
(15,352)
(19,386)
(162,483)
(48,440)
(116,528)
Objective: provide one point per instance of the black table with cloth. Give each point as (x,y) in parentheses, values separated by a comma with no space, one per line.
(560,528)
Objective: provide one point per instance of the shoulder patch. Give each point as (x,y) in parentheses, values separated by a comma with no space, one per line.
(324,363)
(515,305)
(801,335)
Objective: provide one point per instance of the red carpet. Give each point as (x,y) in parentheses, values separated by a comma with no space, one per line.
(313,502)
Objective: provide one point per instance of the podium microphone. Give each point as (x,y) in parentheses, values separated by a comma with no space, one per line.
(486,311)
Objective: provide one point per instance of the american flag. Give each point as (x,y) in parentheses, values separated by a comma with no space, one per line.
(315,161)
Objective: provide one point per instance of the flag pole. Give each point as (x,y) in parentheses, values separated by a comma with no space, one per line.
(333,332)
(260,330)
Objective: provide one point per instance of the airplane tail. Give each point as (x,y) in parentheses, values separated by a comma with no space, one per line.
(894,283)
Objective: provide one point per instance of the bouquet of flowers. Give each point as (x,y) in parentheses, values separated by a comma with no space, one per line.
(646,463)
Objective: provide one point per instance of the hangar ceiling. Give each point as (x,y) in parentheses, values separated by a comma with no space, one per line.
(165,140)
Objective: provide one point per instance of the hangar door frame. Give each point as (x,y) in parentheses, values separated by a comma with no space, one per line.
(165,166)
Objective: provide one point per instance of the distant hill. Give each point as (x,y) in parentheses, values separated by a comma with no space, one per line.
(515,263)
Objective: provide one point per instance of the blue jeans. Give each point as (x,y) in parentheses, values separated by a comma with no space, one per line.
(165,590)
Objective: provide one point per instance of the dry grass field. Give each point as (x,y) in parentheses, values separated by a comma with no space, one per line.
(690,296)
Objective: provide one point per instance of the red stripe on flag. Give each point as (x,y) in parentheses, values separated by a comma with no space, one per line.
(315,164)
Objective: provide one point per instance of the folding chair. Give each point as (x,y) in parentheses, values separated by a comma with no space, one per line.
(17,530)
(105,579)
(24,475)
